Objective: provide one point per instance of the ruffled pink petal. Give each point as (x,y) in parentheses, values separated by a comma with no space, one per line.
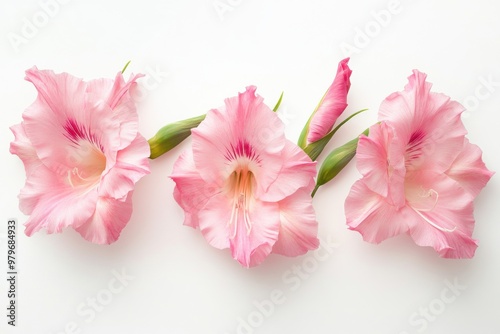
(298,229)
(132,163)
(452,246)
(429,123)
(59,131)
(63,93)
(60,99)
(120,92)
(441,215)
(310,187)
(414,104)
(469,170)
(249,247)
(108,220)
(245,130)
(213,221)
(52,204)
(116,94)
(379,157)
(72,112)
(332,105)
(22,147)
(438,140)
(190,219)
(297,172)
(372,216)
(191,192)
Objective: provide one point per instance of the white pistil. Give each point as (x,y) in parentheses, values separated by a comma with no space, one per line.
(76,172)
(430,193)
(79,177)
(70,179)
(248,223)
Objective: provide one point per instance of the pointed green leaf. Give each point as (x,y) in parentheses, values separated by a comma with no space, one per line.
(276,107)
(125,67)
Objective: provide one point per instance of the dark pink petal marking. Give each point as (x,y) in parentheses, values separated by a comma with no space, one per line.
(414,147)
(242,149)
(76,132)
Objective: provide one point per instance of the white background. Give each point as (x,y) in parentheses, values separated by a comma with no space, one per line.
(194,57)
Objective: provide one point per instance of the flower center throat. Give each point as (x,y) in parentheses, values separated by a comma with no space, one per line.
(240,193)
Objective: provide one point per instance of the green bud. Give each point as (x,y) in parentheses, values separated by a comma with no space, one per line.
(336,161)
(172,135)
(313,150)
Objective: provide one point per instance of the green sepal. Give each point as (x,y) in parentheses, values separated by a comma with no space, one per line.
(313,150)
(302,143)
(172,135)
(336,161)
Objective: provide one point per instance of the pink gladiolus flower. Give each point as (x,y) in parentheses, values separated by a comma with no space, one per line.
(420,173)
(332,105)
(82,154)
(245,186)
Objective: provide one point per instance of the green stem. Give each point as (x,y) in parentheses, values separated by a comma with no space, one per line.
(315,189)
